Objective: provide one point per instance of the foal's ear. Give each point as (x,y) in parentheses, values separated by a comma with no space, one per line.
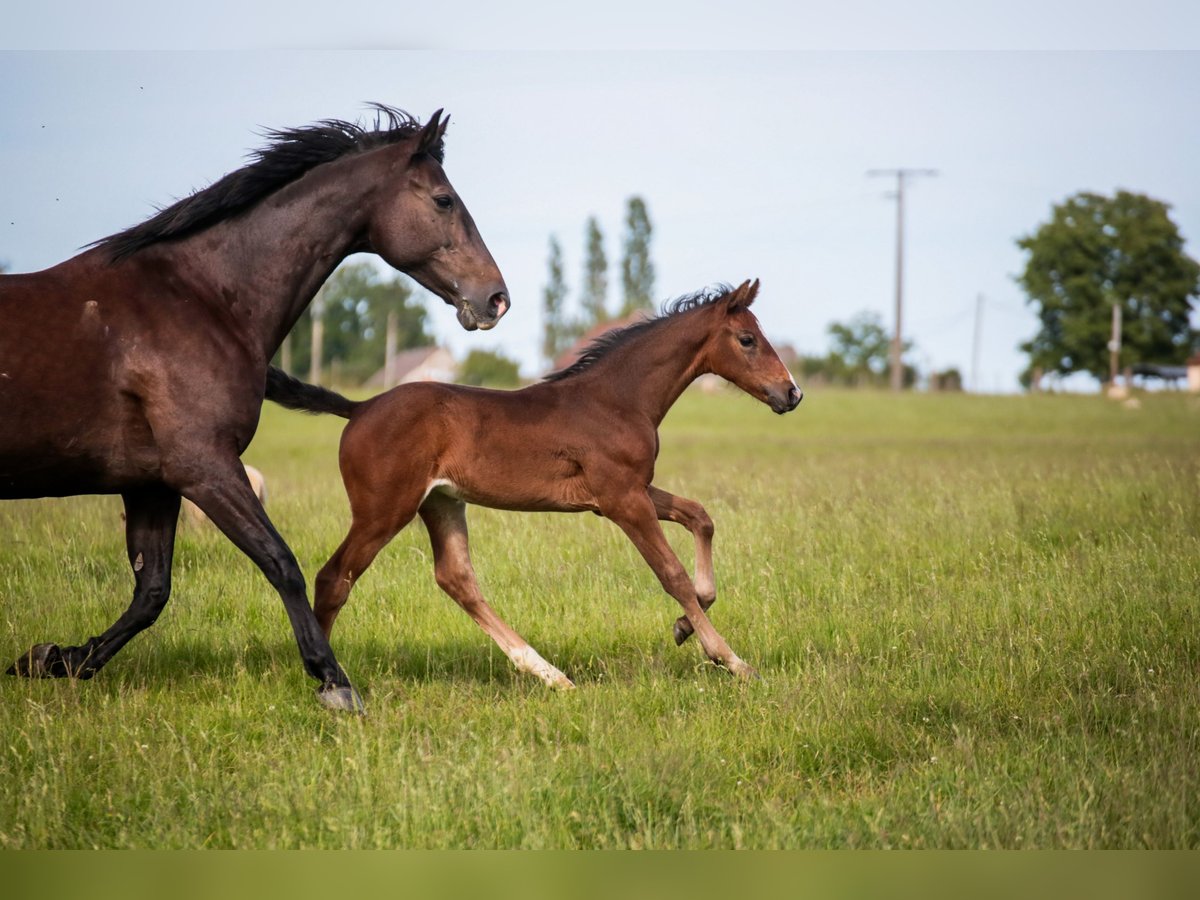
(429,142)
(742,296)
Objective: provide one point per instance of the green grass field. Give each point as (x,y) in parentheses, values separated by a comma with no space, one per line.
(976,619)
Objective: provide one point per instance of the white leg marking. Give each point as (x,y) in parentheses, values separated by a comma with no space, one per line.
(526,659)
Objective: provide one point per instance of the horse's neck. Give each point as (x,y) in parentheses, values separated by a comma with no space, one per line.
(272,258)
(651,371)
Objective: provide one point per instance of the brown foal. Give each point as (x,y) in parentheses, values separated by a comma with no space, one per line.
(585,439)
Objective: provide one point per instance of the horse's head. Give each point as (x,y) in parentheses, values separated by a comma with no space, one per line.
(738,352)
(423,228)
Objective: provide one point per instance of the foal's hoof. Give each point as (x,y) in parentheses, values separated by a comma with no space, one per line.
(343,698)
(743,670)
(41,661)
(682,630)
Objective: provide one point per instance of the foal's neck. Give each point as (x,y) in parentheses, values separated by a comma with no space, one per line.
(655,367)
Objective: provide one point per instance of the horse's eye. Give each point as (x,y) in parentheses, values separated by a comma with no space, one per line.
(746,340)
(443,201)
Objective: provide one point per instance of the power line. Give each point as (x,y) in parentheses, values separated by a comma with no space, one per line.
(897,372)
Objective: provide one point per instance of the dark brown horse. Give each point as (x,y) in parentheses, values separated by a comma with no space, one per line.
(138,367)
(585,439)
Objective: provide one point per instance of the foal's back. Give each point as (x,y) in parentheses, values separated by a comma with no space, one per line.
(534,449)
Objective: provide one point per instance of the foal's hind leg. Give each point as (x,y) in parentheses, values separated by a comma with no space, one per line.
(692,516)
(150,517)
(446,519)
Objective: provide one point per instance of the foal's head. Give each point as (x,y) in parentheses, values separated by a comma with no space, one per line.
(738,352)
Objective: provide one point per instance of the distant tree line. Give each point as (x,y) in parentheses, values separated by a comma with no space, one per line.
(353,307)
(858,355)
(560,326)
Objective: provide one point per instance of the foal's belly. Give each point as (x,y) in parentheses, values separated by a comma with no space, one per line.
(566,496)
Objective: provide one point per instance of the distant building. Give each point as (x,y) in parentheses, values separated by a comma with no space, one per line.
(417,364)
(1189,372)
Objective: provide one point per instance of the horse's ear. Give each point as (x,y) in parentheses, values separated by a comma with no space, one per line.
(742,296)
(442,128)
(429,141)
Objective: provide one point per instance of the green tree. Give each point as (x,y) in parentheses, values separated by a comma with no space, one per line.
(637,269)
(556,328)
(858,355)
(486,367)
(1097,252)
(356,302)
(593,298)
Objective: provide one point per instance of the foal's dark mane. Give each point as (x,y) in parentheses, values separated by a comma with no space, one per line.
(291,153)
(619,337)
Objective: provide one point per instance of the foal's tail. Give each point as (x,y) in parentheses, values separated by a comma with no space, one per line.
(292,393)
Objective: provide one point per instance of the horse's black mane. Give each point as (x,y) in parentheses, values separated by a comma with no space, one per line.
(290,153)
(618,337)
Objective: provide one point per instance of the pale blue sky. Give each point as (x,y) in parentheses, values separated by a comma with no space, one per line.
(752,163)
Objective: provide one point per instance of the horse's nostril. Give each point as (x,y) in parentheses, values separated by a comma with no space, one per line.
(498,303)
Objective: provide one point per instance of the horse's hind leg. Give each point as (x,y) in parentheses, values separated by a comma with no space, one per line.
(446,519)
(692,516)
(150,517)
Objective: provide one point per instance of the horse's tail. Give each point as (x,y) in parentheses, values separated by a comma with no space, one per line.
(292,393)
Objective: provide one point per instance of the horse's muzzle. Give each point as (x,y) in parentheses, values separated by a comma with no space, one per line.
(471,318)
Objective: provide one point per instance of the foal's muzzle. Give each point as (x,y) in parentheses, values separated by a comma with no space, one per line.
(785,400)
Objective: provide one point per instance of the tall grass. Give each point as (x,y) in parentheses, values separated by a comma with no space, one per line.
(975,617)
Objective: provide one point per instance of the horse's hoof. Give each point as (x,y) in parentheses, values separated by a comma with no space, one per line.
(41,661)
(682,632)
(342,698)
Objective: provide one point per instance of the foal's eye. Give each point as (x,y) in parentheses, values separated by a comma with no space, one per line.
(443,201)
(746,340)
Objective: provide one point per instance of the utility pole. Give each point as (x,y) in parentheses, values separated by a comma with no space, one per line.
(318,335)
(1114,345)
(389,351)
(897,371)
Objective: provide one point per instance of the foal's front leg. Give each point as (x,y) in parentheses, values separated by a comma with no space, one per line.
(635,514)
(692,516)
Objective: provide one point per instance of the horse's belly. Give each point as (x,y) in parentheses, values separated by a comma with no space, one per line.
(58,446)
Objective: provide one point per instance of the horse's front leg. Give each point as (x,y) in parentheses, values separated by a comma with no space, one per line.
(222,491)
(635,514)
(692,516)
(150,517)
